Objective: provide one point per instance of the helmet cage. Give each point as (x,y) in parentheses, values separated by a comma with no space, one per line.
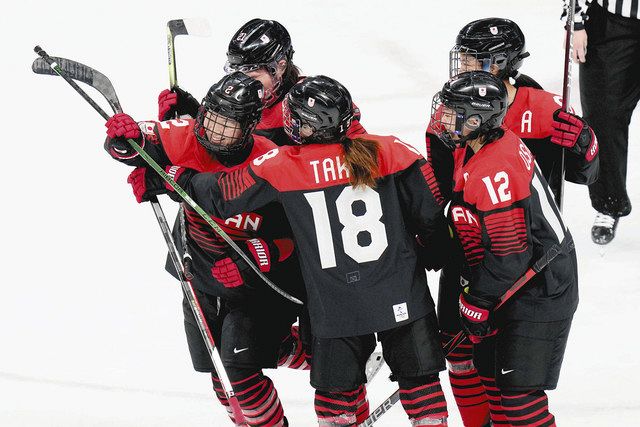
(222,127)
(460,57)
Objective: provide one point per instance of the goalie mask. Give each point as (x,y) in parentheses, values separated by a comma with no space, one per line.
(469,105)
(494,45)
(228,114)
(318,110)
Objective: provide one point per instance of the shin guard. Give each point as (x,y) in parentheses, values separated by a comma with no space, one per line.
(423,400)
(259,400)
(527,409)
(337,409)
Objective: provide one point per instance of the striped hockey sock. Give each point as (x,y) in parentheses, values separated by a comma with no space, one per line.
(527,409)
(337,409)
(259,401)
(362,405)
(495,406)
(423,400)
(292,354)
(222,397)
(467,388)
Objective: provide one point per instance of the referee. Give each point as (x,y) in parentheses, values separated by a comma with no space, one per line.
(609,92)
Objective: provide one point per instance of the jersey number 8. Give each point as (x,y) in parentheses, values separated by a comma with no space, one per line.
(354,225)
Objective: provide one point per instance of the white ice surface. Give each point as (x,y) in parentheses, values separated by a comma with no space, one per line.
(90,324)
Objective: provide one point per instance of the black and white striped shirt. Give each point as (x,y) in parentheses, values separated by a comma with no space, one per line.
(625,8)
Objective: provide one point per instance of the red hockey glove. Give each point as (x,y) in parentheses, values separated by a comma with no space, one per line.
(121,127)
(572,132)
(146,182)
(233,271)
(176,102)
(475,315)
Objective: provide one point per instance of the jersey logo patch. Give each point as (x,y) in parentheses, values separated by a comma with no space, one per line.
(400,312)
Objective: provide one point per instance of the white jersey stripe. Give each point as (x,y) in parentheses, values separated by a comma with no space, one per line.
(550,212)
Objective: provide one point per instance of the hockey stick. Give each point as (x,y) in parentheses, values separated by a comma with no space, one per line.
(177,27)
(78,71)
(169,180)
(566,87)
(455,341)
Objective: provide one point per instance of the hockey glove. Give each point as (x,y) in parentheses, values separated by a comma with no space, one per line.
(176,102)
(571,131)
(233,271)
(121,127)
(146,183)
(475,316)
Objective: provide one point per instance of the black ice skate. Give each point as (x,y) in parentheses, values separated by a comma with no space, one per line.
(604,229)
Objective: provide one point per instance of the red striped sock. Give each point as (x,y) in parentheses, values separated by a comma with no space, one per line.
(292,354)
(362,405)
(495,406)
(222,397)
(337,409)
(423,400)
(527,408)
(469,394)
(259,401)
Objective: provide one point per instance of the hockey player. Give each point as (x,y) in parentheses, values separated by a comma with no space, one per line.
(251,325)
(498,46)
(504,219)
(261,49)
(355,207)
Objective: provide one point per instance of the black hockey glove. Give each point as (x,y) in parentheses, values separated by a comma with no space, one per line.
(121,127)
(571,131)
(176,102)
(146,183)
(476,316)
(233,271)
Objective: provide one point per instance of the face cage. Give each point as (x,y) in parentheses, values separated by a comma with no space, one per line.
(441,122)
(483,61)
(222,129)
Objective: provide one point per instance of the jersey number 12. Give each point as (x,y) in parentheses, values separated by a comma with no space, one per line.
(353,224)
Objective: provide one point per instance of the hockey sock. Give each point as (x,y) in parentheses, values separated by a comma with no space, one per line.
(495,407)
(258,398)
(362,405)
(423,400)
(527,409)
(292,354)
(467,388)
(222,397)
(337,409)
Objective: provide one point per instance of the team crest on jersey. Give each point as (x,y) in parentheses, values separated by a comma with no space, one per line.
(482,91)
(494,30)
(311,102)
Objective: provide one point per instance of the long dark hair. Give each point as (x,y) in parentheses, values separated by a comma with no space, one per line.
(361,158)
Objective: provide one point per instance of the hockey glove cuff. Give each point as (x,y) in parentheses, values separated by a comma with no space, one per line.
(176,102)
(476,316)
(146,183)
(121,127)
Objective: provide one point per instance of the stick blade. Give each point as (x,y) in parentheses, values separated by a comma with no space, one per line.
(192,26)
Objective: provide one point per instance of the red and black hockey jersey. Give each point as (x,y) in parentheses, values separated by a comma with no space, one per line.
(173,142)
(357,246)
(503,215)
(529,117)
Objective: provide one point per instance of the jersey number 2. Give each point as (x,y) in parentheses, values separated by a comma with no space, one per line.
(354,225)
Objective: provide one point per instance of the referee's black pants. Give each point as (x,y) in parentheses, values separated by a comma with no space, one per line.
(609,92)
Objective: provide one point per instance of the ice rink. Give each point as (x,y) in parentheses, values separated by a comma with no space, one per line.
(90,324)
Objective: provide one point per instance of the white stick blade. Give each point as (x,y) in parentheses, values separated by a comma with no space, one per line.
(197,27)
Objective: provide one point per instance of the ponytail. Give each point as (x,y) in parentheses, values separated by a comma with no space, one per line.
(361,158)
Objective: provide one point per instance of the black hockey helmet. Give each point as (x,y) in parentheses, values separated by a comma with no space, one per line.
(229,113)
(489,41)
(258,43)
(475,100)
(317,110)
